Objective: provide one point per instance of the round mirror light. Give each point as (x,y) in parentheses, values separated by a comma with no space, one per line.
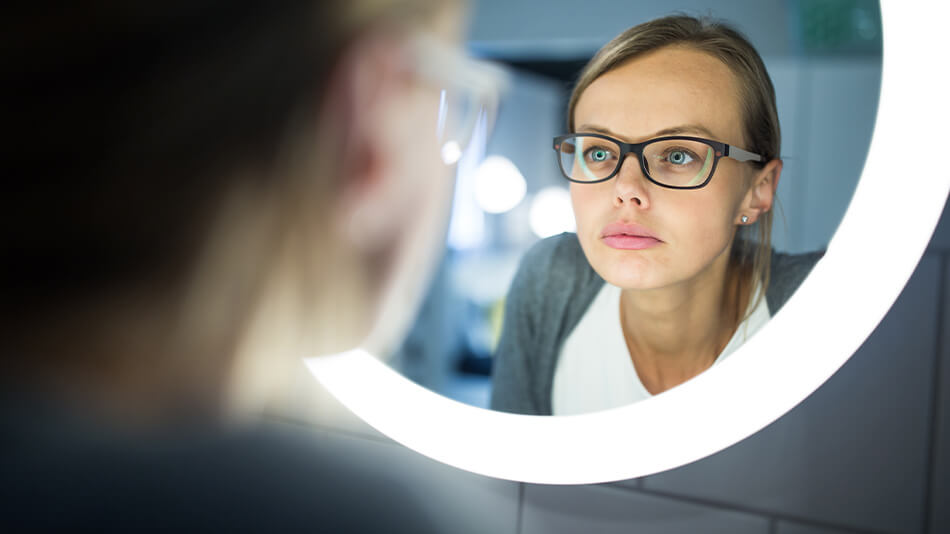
(870,258)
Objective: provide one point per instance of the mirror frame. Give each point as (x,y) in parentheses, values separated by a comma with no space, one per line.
(869,260)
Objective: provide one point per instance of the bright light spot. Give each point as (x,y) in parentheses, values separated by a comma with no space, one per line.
(551,212)
(499,185)
(451,152)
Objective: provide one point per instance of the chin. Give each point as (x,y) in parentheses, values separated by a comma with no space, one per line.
(628,269)
(627,280)
(630,272)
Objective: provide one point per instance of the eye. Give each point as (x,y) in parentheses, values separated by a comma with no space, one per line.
(679,157)
(597,154)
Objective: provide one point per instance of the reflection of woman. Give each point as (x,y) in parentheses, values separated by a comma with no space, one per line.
(673,159)
(198,194)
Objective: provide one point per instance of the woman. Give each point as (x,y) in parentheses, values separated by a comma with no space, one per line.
(195,196)
(673,159)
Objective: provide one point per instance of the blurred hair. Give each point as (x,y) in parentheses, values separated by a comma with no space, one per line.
(126,123)
(756,100)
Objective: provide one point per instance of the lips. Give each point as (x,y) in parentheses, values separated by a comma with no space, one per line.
(624,236)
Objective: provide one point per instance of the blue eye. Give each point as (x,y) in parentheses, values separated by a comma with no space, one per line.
(679,157)
(597,155)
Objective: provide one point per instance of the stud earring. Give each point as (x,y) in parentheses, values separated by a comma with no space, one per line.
(745,219)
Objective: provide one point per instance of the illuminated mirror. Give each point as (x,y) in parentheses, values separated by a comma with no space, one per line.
(767,376)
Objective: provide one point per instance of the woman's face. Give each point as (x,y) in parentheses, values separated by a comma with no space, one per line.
(670,91)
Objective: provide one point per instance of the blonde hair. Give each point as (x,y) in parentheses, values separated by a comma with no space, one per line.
(756,100)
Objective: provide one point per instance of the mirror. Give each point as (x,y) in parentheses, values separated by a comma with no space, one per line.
(778,367)
(510,192)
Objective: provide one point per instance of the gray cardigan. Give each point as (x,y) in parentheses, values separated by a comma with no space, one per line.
(550,293)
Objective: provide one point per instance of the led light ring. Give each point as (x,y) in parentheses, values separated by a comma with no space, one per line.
(870,258)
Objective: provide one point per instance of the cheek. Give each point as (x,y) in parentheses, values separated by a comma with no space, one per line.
(422,178)
(428,182)
(588,201)
(703,221)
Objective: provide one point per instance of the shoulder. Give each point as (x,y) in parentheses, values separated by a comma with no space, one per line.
(559,258)
(552,288)
(564,247)
(788,271)
(97,478)
(554,271)
(794,267)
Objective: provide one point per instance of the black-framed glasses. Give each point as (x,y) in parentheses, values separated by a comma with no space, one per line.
(676,162)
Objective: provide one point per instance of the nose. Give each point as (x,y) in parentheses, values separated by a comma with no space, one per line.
(630,185)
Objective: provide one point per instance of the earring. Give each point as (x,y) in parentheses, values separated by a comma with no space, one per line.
(745,219)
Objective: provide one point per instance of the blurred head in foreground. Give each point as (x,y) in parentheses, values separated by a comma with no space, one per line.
(198,191)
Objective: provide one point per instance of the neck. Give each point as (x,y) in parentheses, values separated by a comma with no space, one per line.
(676,332)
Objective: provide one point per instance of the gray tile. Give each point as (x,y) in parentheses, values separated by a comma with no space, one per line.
(786,527)
(633,483)
(853,454)
(454,500)
(940,475)
(941,237)
(607,510)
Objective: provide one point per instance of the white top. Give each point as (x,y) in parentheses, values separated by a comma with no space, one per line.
(594,371)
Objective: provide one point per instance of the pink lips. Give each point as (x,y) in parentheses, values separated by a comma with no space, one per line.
(628,236)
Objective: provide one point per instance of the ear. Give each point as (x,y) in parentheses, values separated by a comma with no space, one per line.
(365,88)
(761,194)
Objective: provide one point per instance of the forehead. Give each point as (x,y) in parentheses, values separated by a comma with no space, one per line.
(666,88)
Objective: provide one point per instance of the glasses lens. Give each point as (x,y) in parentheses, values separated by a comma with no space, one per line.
(468,96)
(679,162)
(455,122)
(587,159)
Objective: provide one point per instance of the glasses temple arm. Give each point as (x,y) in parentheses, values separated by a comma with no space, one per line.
(741,155)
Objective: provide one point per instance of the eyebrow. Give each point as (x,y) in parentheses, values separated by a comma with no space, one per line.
(675,130)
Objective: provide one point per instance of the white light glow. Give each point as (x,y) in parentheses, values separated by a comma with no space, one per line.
(451,152)
(499,185)
(551,212)
(816,331)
